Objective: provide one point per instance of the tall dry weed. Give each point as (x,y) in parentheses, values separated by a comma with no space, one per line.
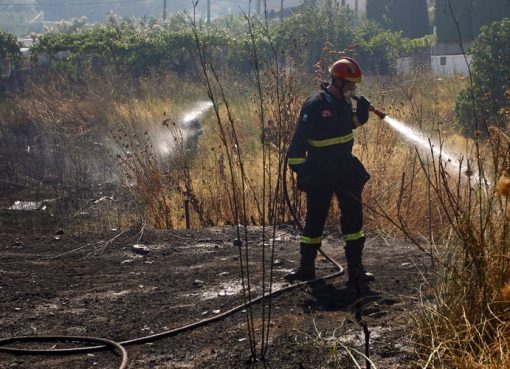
(51,149)
(467,326)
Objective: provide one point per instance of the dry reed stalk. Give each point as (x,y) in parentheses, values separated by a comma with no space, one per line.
(471,317)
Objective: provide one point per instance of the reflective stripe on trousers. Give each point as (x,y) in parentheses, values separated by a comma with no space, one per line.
(310,240)
(353,236)
(351,212)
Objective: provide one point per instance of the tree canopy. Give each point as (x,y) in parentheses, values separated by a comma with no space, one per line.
(487,11)
(408,16)
(467,16)
(9,48)
(491,78)
(138,47)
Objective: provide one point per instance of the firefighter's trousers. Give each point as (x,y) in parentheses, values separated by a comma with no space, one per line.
(318,204)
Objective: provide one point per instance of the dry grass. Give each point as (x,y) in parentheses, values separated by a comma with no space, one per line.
(399,187)
(136,129)
(434,202)
(143,152)
(467,326)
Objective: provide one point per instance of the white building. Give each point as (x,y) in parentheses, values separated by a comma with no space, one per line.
(449,58)
(450,64)
(445,58)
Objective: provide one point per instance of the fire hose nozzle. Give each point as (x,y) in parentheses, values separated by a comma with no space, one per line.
(380,114)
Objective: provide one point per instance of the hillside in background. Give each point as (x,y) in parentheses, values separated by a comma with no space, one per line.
(23,16)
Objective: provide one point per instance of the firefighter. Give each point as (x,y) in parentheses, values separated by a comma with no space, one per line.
(320,154)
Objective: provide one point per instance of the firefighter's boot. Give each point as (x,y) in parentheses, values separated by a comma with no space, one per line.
(306,270)
(359,278)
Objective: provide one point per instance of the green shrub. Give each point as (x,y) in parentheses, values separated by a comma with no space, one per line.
(138,48)
(452,16)
(408,16)
(464,111)
(491,79)
(9,47)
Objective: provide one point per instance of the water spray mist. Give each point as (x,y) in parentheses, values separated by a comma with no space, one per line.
(421,141)
(187,129)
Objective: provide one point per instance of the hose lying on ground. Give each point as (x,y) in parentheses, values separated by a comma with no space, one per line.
(106,344)
(118,346)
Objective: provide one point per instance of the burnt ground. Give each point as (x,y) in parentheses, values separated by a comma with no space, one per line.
(96,285)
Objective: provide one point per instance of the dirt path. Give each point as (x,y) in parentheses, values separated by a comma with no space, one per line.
(108,290)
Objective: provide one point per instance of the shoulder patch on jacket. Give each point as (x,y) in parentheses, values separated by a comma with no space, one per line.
(305,117)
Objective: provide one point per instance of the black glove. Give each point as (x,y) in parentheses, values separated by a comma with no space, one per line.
(362,109)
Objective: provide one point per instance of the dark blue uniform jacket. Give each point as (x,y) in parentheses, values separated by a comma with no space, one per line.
(322,143)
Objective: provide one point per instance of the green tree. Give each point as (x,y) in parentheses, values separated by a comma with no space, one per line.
(491,78)
(408,16)
(316,24)
(378,48)
(378,10)
(452,16)
(136,47)
(488,11)
(9,47)
(411,17)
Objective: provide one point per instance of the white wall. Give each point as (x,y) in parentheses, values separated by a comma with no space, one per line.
(450,64)
(404,65)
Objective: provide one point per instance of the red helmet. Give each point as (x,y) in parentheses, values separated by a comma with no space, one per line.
(346,68)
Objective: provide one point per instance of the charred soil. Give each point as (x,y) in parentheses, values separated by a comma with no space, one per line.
(100,285)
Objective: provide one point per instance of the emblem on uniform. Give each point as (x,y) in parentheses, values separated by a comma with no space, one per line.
(326,113)
(305,117)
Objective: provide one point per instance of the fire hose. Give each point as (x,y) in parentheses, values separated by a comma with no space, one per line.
(118,347)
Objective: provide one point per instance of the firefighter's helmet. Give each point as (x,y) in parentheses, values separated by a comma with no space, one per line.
(347,69)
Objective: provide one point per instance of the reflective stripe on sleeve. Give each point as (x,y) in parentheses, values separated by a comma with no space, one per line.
(296,161)
(311,240)
(331,141)
(353,236)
